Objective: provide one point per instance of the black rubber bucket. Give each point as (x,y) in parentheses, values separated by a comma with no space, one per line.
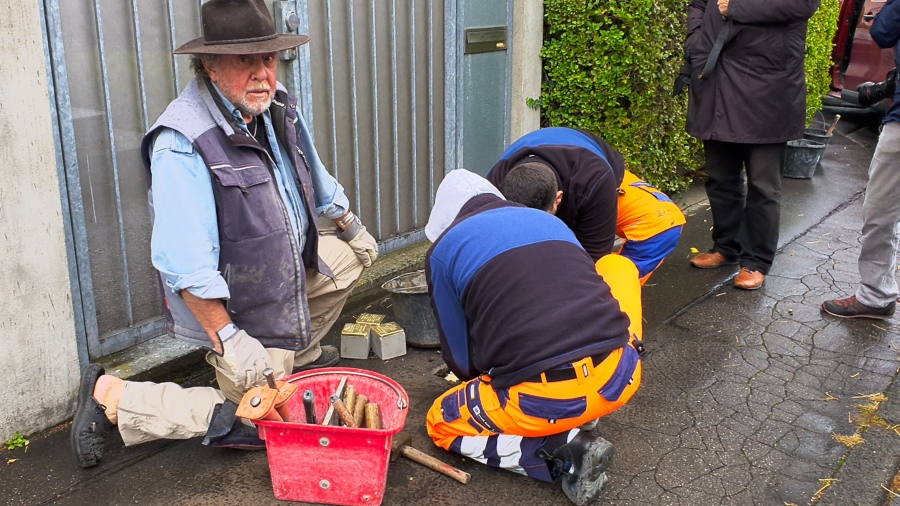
(412,309)
(817,135)
(800,158)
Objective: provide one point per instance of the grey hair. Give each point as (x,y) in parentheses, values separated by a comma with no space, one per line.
(197,63)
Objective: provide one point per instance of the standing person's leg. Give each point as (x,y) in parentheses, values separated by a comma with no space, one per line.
(762,212)
(725,190)
(326,298)
(881,212)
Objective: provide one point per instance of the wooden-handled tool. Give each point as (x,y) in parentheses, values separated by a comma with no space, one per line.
(837,117)
(401,446)
(342,411)
(330,414)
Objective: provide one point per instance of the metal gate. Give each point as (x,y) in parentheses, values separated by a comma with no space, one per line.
(371,82)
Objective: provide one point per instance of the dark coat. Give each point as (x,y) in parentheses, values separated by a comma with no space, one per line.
(756,94)
(885,32)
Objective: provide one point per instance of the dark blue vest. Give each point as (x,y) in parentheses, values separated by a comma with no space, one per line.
(259,256)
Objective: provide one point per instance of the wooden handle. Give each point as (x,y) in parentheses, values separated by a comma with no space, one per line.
(433,463)
(837,117)
(350,397)
(373,416)
(342,412)
(339,392)
(359,410)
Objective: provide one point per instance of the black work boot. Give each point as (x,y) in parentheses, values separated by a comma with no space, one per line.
(90,426)
(582,464)
(328,358)
(228,431)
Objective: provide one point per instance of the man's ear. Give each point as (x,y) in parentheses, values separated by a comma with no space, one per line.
(556,202)
(211,69)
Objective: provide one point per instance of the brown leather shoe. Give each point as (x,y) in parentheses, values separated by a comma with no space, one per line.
(711,260)
(749,279)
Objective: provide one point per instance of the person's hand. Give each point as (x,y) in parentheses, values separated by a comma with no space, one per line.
(361,241)
(247,359)
(723,7)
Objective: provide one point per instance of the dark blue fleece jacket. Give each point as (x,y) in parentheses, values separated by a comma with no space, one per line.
(515,294)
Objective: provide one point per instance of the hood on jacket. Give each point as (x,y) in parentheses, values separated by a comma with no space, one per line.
(458,187)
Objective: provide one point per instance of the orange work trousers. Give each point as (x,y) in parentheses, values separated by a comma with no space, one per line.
(479,421)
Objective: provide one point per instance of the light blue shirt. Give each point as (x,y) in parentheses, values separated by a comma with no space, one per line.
(185,242)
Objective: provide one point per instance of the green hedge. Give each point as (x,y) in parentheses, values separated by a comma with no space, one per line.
(610,65)
(822,28)
(609,68)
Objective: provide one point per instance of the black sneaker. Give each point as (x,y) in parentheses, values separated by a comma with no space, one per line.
(228,431)
(90,426)
(583,462)
(329,357)
(851,307)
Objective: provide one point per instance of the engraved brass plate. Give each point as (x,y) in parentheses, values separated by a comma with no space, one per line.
(371,319)
(387,329)
(355,329)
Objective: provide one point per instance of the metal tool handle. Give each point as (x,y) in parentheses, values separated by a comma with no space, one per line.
(270,378)
(309,405)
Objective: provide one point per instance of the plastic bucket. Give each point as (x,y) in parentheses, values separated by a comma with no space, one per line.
(327,464)
(817,135)
(801,157)
(412,309)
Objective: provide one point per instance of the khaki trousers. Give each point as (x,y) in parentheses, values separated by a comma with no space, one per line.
(149,411)
(881,213)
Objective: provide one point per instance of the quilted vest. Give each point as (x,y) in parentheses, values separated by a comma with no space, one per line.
(259,257)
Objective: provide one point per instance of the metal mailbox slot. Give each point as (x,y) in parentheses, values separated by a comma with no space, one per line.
(485,40)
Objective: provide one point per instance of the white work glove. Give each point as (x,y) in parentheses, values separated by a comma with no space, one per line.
(362,242)
(246,358)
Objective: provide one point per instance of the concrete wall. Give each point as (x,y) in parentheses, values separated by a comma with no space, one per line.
(38,358)
(527,39)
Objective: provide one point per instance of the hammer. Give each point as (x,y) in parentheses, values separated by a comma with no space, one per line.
(401,446)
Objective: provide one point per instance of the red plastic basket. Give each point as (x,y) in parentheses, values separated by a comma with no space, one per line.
(329,464)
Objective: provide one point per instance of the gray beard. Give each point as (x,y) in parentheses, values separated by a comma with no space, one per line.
(249,110)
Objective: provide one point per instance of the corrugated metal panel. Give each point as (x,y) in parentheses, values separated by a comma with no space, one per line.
(110,46)
(378,84)
(377,100)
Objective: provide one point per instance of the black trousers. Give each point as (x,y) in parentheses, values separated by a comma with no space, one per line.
(745,221)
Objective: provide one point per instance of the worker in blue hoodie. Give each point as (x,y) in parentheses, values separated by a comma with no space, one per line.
(592,193)
(541,343)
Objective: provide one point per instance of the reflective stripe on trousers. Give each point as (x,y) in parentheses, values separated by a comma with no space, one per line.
(504,427)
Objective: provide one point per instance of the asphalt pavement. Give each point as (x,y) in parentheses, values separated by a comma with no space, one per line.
(745,395)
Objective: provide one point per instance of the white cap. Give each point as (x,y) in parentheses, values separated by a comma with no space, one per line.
(458,187)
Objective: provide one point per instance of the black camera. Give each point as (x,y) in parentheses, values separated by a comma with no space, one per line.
(871,93)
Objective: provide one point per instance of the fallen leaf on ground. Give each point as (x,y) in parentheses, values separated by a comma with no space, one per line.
(10,461)
(849,441)
(695,251)
(821,492)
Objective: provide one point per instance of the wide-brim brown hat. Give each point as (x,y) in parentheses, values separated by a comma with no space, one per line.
(239,27)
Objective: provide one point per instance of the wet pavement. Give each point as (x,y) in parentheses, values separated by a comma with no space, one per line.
(742,396)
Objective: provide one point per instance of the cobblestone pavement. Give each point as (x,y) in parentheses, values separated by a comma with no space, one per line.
(744,391)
